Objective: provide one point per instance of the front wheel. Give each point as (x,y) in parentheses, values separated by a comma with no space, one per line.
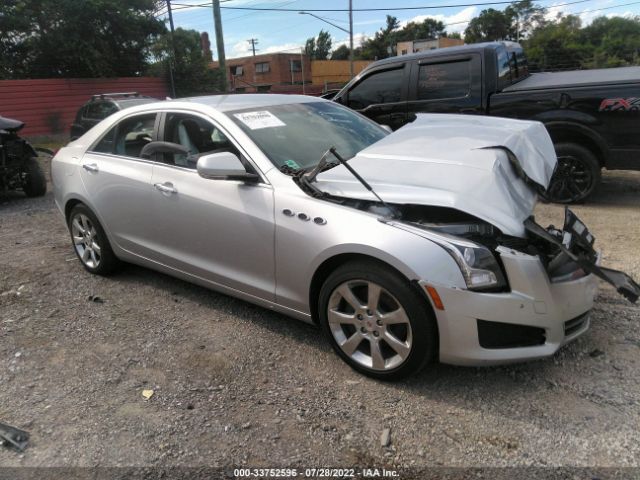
(577,174)
(376,321)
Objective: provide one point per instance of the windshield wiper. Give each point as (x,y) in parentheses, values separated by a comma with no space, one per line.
(309,176)
(395,213)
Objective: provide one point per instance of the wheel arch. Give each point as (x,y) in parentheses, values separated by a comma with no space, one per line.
(68,206)
(569,132)
(323,271)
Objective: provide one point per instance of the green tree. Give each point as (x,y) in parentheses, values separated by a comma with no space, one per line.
(515,22)
(615,42)
(340,53)
(318,48)
(427,29)
(71,38)
(489,26)
(383,43)
(192,73)
(525,16)
(557,45)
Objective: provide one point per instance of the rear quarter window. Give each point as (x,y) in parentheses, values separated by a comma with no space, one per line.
(444,80)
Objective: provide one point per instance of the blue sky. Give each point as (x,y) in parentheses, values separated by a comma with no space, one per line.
(287,31)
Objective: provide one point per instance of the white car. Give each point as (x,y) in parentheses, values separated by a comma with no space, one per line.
(405,247)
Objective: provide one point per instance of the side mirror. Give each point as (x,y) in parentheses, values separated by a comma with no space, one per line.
(162,147)
(224,166)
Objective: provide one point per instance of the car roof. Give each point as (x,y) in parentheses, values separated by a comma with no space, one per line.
(132,102)
(240,101)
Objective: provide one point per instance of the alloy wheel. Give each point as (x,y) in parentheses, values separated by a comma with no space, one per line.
(572,180)
(369,325)
(85,240)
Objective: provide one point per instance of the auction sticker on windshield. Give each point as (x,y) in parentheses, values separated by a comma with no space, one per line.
(261,119)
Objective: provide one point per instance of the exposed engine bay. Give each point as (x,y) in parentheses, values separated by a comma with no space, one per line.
(567,253)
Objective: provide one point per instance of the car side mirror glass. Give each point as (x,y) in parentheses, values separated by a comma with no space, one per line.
(224,166)
(162,147)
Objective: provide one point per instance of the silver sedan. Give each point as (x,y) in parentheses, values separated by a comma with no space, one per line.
(404,247)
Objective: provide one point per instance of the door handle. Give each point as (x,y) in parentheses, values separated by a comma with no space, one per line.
(90,167)
(166,187)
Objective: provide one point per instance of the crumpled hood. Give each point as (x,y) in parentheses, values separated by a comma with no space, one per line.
(450,161)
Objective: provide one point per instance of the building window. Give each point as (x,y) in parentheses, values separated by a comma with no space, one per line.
(296,66)
(404,52)
(240,89)
(262,67)
(237,70)
(263,88)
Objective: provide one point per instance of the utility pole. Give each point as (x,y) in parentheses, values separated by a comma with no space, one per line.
(217,22)
(253,42)
(351,38)
(302,68)
(172,56)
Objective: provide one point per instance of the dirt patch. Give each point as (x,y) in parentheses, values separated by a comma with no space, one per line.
(238,385)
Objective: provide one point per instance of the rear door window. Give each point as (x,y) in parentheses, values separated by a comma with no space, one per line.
(444,80)
(378,88)
(128,137)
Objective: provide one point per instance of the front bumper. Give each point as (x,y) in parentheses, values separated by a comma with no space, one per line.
(561,309)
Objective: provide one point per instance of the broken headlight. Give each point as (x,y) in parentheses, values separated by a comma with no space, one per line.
(479,267)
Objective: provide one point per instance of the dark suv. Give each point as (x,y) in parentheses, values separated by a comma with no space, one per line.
(101,106)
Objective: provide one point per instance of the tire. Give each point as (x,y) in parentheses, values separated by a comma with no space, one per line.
(577,174)
(90,242)
(34,183)
(404,348)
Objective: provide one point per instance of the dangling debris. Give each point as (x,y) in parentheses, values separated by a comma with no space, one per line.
(13,437)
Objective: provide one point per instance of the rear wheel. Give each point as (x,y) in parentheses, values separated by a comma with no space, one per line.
(90,242)
(34,182)
(376,321)
(577,174)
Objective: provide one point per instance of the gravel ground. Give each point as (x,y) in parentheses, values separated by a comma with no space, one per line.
(239,385)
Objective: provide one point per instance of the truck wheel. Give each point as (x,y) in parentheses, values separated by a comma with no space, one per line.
(34,182)
(577,174)
(376,321)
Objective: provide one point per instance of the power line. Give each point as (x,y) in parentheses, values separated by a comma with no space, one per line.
(563,5)
(385,9)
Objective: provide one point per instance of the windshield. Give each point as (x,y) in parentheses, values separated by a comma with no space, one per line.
(296,135)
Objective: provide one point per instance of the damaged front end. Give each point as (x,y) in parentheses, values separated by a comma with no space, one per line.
(474,244)
(570,254)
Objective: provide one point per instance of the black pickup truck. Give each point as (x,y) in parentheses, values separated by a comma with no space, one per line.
(591,115)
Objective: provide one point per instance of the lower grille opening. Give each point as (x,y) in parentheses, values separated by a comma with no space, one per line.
(495,335)
(575,324)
